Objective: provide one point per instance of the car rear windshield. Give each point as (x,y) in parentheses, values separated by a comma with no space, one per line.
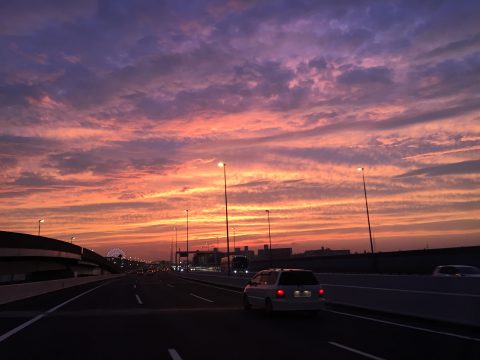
(297,278)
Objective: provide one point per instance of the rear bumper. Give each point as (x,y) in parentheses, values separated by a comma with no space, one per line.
(292,305)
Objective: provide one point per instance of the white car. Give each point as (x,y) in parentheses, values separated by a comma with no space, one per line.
(457,271)
(284,290)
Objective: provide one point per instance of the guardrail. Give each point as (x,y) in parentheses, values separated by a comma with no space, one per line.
(15,292)
(455,300)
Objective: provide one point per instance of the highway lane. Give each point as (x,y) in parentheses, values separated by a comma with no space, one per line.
(162,316)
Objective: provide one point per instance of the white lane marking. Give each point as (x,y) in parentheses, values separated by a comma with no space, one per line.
(406,326)
(199,297)
(403,290)
(38,317)
(138,299)
(213,286)
(134,286)
(174,354)
(170,285)
(355,351)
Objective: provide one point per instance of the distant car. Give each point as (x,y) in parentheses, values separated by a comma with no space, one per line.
(151,272)
(284,290)
(456,271)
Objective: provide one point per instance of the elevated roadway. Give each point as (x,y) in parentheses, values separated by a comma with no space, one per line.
(26,258)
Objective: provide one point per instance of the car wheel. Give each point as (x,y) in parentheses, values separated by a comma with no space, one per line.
(268,306)
(246,303)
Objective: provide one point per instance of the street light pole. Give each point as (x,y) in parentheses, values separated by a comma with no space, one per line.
(374,265)
(222,164)
(366,205)
(171,252)
(176,249)
(269,238)
(234,246)
(187,238)
(39,222)
(71,239)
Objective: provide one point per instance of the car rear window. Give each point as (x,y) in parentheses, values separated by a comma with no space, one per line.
(297,278)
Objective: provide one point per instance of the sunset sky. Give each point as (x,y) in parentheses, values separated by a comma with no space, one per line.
(114,115)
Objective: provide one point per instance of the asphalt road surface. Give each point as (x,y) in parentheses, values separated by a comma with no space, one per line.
(162,316)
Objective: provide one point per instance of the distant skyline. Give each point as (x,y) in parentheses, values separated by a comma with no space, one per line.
(114,115)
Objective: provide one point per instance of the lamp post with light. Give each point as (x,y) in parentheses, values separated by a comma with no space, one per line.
(39,222)
(71,239)
(269,238)
(222,164)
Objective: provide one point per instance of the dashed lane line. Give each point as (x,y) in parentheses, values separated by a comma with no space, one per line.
(370,356)
(174,354)
(202,298)
(138,299)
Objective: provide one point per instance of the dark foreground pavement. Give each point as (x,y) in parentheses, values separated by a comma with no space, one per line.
(165,317)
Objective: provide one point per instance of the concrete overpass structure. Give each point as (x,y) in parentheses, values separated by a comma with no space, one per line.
(29,258)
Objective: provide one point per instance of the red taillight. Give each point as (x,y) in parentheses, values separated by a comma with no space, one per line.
(280,293)
(321,292)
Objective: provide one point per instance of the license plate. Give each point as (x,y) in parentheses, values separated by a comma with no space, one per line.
(305,293)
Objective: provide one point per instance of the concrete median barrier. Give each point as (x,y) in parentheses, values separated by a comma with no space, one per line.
(451,307)
(15,292)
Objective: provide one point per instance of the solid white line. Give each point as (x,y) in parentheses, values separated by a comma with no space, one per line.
(20,327)
(138,299)
(406,326)
(199,297)
(174,354)
(355,351)
(36,318)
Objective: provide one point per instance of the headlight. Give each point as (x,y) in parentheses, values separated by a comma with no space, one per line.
(234,271)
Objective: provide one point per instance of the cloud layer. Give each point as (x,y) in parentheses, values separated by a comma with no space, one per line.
(115,113)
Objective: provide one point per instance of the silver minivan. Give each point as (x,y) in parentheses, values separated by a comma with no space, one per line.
(284,290)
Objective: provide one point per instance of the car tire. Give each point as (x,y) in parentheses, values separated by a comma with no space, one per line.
(246,303)
(268,306)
